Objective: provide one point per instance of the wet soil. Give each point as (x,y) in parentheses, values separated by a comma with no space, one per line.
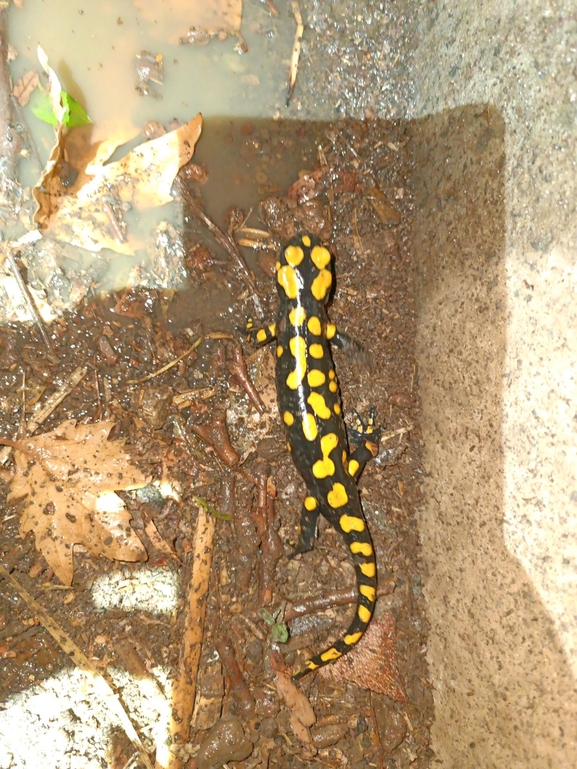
(198,423)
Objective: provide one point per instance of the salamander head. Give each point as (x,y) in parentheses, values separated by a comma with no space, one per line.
(304,267)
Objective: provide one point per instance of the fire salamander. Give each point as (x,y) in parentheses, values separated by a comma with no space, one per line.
(310,406)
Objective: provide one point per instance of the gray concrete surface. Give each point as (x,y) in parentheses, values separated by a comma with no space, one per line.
(495,247)
(492,90)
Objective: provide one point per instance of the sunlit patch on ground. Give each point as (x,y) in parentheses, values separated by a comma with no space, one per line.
(62,724)
(153,590)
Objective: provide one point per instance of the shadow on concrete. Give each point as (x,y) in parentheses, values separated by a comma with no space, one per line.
(504,691)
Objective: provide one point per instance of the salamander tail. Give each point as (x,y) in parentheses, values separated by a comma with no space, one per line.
(366,570)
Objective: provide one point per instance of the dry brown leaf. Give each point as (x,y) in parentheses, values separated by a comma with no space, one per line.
(24,87)
(302,714)
(69,485)
(372,664)
(143,178)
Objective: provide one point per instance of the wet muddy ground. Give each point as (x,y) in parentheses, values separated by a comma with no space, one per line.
(210,424)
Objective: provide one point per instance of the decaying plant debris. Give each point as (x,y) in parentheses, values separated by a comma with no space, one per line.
(192,410)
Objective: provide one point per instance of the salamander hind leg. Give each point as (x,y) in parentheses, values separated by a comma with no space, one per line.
(308,526)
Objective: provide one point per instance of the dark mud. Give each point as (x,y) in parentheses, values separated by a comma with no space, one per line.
(198,424)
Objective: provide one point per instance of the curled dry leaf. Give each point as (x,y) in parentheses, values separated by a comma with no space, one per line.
(68,477)
(372,664)
(142,179)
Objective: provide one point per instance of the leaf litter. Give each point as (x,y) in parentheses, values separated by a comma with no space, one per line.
(89,212)
(69,477)
(38,467)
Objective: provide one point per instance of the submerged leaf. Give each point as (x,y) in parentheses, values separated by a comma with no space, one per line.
(74,115)
(143,179)
(42,108)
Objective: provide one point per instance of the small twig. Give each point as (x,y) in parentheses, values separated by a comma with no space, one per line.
(29,303)
(184,399)
(99,684)
(216,435)
(168,366)
(56,399)
(401,431)
(239,370)
(116,226)
(296,50)
(184,689)
(238,688)
(271,7)
(227,242)
(336,598)
(271,545)
(51,403)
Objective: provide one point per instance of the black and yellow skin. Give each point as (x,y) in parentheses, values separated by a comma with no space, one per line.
(310,407)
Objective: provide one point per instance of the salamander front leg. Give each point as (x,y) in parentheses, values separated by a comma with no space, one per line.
(258,335)
(308,529)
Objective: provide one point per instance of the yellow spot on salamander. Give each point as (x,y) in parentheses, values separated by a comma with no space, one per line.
(368,592)
(310,503)
(364,614)
(261,335)
(310,430)
(297,316)
(333,387)
(332,374)
(338,497)
(331,654)
(331,330)
(344,457)
(289,279)
(289,447)
(294,255)
(319,405)
(337,408)
(279,351)
(353,466)
(314,326)
(321,256)
(316,351)
(368,569)
(325,467)
(352,638)
(272,329)
(316,378)
(351,523)
(362,548)
(321,284)
(298,348)
(306,241)
(288,418)
(311,665)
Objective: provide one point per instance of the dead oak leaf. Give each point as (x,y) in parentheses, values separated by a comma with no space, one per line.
(24,87)
(68,477)
(372,664)
(91,216)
